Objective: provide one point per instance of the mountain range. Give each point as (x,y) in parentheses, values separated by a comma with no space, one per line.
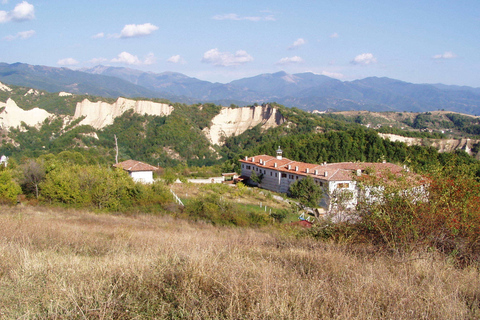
(307,91)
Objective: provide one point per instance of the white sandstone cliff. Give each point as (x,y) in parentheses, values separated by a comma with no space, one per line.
(12,115)
(101,114)
(4,87)
(442,145)
(235,121)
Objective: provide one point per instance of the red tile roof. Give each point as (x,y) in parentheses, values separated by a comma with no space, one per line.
(341,171)
(133,166)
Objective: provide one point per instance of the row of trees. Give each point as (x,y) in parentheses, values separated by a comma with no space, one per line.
(66,179)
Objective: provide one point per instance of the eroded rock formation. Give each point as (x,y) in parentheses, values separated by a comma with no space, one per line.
(235,121)
(442,145)
(12,115)
(101,114)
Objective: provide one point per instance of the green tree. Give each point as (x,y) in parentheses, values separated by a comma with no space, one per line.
(9,189)
(306,191)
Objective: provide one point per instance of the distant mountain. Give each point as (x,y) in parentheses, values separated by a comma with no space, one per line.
(306,91)
(177,84)
(64,79)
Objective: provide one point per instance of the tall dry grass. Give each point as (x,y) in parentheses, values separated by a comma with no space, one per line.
(70,264)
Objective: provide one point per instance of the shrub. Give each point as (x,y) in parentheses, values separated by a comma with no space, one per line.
(444,214)
(9,189)
(214,209)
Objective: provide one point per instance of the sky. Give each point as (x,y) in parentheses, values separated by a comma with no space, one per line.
(418,41)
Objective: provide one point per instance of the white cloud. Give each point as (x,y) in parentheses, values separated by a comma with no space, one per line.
(297,43)
(226,59)
(364,59)
(445,55)
(334,35)
(98,35)
(21,35)
(335,75)
(137,30)
(4,1)
(128,58)
(150,59)
(290,60)
(22,12)
(67,62)
(176,59)
(236,17)
(4,17)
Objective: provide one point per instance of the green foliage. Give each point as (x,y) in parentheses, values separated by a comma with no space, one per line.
(102,188)
(306,191)
(257,178)
(214,209)
(280,215)
(440,212)
(9,189)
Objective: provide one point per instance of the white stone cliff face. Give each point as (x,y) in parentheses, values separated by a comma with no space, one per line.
(235,121)
(101,114)
(442,145)
(4,87)
(12,115)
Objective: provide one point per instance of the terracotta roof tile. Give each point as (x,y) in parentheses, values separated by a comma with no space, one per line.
(133,166)
(341,171)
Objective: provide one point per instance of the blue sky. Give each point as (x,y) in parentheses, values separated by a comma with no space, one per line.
(422,41)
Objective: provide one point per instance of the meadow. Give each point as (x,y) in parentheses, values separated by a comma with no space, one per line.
(58,263)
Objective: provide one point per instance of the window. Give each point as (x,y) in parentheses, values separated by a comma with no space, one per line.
(248,167)
(343,185)
(290,176)
(284,175)
(271,173)
(276,175)
(243,166)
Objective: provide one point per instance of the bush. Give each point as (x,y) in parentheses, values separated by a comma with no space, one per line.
(9,189)
(444,214)
(214,209)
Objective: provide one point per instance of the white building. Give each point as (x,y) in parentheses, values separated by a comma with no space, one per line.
(336,179)
(3,160)
(139,171)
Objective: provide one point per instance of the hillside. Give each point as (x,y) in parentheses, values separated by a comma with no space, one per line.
(67,264)
(168,134)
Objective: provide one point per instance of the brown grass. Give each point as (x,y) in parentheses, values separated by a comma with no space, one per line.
(69,264)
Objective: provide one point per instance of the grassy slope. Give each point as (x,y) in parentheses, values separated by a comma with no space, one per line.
(80,265)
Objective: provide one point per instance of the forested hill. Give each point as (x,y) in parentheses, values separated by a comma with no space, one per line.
(180,138)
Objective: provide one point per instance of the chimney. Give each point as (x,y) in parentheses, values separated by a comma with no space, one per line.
(246,158)
(275,165)
(261,161)
(253,159)
(306,170)
(359,172)
(296,168)
(326,174)
(316,172)
(289,167)
(384,161)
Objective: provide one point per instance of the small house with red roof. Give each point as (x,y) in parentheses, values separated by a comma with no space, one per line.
(334,178)
(139,171)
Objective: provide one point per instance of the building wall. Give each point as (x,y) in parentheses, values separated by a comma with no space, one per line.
(142,176)
(334,191)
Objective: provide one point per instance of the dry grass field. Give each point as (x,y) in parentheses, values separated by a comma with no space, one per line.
(65,264)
